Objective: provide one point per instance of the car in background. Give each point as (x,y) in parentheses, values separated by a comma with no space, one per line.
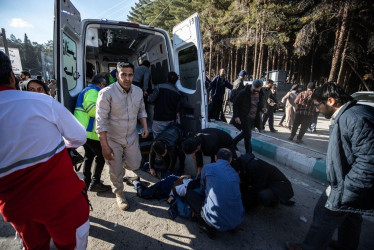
(364,97)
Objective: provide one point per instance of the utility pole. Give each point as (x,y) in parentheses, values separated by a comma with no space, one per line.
(5,41)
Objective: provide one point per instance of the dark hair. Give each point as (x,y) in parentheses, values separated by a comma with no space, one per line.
(5,69)
(26,73)
(39,77)
(172,77)
(191,144)
(270,81)
(40,82)
(98,79)
(333,90)
(159,147)
(224,154)
(146,63)
(121,65)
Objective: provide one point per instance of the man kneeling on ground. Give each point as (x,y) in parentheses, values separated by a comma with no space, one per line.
(262,183)
(207,143)
(219,205)
(167,146)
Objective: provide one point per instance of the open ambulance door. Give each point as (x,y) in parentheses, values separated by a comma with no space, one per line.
(68,54)
(189,65)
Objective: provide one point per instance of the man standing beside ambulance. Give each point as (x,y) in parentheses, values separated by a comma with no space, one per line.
(119,106)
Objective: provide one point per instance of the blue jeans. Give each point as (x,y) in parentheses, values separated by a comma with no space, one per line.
(159,126)
(325,222)
(269,115)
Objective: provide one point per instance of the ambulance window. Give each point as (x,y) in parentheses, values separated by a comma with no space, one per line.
(188,67)
(69,59)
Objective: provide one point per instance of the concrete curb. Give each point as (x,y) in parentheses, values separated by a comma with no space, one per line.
(304,160)
(301,162)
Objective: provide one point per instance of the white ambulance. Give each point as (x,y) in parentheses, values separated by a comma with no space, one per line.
(82,46)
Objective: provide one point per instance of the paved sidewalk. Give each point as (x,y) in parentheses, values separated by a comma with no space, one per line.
(308,157)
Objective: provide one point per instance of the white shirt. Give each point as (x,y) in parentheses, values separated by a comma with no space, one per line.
(34,127)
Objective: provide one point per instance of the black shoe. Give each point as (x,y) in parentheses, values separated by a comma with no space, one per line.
(299,141)
(290,138)
(210,231)
(129,180)
(273,130)
(98,187)
(288,203)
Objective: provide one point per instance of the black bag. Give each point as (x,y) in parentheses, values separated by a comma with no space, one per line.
(76,158)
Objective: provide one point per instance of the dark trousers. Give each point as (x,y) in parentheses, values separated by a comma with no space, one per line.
(304,121)
(194,200)
(283,117)
(217,110)
(92,148)
(246,128)
(325,222)
(269,115)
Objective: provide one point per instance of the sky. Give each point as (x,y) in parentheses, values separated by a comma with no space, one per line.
(35,17)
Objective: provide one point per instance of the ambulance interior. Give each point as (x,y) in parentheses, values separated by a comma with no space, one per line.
(107,45)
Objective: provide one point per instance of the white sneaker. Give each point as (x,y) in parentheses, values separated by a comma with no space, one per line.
(122,202)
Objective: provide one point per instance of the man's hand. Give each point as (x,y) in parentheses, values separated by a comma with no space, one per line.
(145,93)
(153,172)
(237,120)
(145,133)
(264,110)
(108,153)
(198,172)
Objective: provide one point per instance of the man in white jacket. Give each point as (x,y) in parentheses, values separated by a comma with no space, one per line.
(40,194)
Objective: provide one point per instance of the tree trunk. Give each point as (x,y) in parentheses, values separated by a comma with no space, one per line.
(338,49)
(285,59)
(246,50)
(255,52)
(259,59)
(273,57)
(279,59)
(268,63)
(339,81)
(210,56)
(359,76)
(222,56)
(217,61)
(232,63)
(236,62)
(311,67)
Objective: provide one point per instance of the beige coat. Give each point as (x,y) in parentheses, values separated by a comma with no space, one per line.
(117,112)
(290,107)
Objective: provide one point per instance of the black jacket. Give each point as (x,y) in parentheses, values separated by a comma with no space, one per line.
(212,139)
(167,101)
(350,160)
(256,175)
(271,102)
(242,105)
(172,136)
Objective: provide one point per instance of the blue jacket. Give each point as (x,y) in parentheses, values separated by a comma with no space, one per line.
(217,87)
(350,160)
(223,207)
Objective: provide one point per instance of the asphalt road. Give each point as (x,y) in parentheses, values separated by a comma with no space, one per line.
(146,225)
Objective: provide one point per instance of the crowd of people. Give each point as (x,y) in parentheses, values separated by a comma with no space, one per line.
(262,104)
(43,198)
